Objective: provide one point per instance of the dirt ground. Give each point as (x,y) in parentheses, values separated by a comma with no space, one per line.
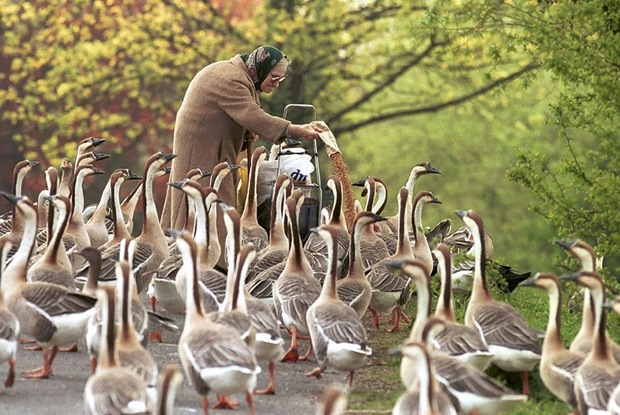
(63,392)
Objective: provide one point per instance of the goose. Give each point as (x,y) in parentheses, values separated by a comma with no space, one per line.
(66,177)
(233,310)
(423,397)
(277,249)
(333,401)
(43,217)
(152,234)
(557,364)
(194,174)
(89,283)
(151,243)
(372,248)
(417,171)
(582,342)
(170,379)
(296,288)
(514,344)
(51,314)
(251,231)
(9,325)
(165,288)
(315,246)
(336,331)
(475,391)
(113,388)
(613,407)
(10,227)
(130,201)
(391,290)
(131,353)
(96,226)
(599,374)
(213,356)
(76,227)
(269,344)
(421,249)
(86,145)
(470,348)
(354,289)
(54,265)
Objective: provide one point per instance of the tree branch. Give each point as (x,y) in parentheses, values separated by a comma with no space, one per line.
(428,109)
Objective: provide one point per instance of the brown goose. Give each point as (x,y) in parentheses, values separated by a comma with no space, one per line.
(214,357)
(355,289)
(170,379)
(337,333)
(315,245)
(9,325)
(614,402)
(43,219)
(582,343)
(558,365)
(131,353)
(470,347)
(390,289)
(7,227)
(423,397)
(76,227)
(417,171)
(333,401)
(195,175)
(514,344)
(50,314)
(165,288)
(251,231)
(277,249)
(86,145)
(96,227)
(296,289)
(54,265)
(66,177)
(113,388)
(372,247)
(599,374)
(421,249)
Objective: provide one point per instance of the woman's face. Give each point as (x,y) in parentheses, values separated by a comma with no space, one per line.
(272,81)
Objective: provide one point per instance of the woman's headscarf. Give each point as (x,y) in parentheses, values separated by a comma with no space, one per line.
(260,62)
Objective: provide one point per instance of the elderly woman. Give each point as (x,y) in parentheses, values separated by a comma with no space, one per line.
(220,112)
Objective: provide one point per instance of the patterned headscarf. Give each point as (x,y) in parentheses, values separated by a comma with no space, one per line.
(260,62)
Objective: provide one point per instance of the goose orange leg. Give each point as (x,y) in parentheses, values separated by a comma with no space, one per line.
(317,372)
(205,405)
(223,402)
(306,356)
(292,355)
(525,384)
(250,399)
(45,371)
(271,388)
(375,317)
(10,378)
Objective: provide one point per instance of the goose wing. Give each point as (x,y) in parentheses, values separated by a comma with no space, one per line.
(9,326)
(261,285)
(501,324)
(385,279)
(220,347)
(457,339)
(56,300)
(595,385)
(119,392)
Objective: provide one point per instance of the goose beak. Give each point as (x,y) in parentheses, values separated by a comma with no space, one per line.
(132,176)
(432,169)
(574,276)
(177,185)
(33,164)
(566,244)
(530,282)
(461,213)
(11,197)
(94,141)
(169,157)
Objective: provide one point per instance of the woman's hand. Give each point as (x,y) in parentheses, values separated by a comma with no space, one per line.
(308,131)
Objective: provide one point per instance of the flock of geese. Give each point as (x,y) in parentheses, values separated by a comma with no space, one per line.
(71,271)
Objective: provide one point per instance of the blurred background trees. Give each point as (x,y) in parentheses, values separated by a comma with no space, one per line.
(479,88)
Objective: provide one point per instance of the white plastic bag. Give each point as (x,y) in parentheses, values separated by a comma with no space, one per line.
(294,162)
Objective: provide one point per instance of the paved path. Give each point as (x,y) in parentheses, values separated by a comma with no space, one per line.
(63,392)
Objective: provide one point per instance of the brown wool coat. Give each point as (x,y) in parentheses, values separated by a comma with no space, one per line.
(220,105)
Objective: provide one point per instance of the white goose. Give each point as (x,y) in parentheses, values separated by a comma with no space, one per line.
(423,397)
(390,289)
(558,365)
(355,289)
(214,357)
(50,314)
(296,289)
(599,375)
(467,344)
(112,388)
(582,342)
(337,333)
(251,231)
(9,324)
(514,344)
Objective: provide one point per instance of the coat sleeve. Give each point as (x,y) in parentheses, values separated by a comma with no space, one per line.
(235,98)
